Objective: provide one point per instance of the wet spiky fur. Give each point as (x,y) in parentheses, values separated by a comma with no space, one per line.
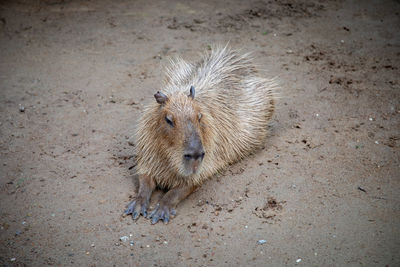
(235,104)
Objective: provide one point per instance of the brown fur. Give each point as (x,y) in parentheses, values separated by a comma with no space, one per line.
(208,115)
(235,107)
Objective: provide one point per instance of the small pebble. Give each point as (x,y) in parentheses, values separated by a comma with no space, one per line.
(298,260)
(376,142)
(165,242)
(92,245)
(21,108)
(371,119)
(18,232)
(12,259)
(131,243)
(246,226)
(23,223)
(124,238)
(147,246)
(262,241)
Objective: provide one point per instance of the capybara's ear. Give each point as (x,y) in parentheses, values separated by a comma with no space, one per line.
(160,98)
(191,92)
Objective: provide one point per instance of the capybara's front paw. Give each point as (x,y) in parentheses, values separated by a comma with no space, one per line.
(137,207)
(161,212)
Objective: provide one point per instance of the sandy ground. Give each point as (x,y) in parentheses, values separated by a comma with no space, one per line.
(75,75)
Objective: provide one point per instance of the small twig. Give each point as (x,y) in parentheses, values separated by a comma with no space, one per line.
(379,198)
(361,189)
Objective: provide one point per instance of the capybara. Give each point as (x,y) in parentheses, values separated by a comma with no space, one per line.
(208,114)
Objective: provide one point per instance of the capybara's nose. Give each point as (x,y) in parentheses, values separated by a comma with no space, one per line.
(194,148)
(195,154)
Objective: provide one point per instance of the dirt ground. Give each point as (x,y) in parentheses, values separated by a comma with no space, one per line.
(75,75)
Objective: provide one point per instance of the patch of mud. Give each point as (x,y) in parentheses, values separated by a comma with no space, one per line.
(270,210)
(249,17)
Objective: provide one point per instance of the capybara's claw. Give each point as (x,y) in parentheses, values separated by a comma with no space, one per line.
(161,213)
(143,211)
(135,215)
(137,207)
(173,212)
(130,208)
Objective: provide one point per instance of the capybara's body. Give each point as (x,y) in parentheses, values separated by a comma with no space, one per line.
(208,114)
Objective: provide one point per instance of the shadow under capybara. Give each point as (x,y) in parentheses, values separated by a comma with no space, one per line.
(209,114)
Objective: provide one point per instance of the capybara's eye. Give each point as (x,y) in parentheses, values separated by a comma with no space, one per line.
(169,120)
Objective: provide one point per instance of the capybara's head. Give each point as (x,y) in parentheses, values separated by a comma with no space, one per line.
(181,131)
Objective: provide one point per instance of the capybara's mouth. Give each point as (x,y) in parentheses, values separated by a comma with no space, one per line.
(192,166)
